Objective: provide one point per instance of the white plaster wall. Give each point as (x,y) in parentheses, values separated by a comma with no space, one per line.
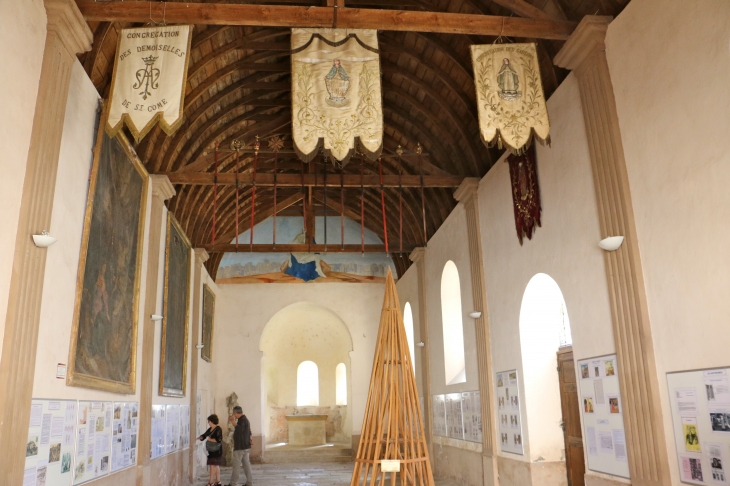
(242,312)
(67,223)
(22,42)
(565,247)
(407,287)
(670,64)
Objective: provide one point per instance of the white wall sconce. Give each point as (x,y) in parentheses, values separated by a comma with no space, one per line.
(475,315)
(421,344)
(43,240)
(612,243)
(156,317)
(199,346)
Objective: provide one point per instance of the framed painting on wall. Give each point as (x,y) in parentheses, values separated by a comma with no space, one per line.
(173,353)
(103,347)
(208,323)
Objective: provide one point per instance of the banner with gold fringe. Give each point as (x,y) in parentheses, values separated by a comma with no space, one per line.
(510,98)
(148,84)
(336,93)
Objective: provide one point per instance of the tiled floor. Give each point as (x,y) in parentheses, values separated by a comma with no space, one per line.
(299,475)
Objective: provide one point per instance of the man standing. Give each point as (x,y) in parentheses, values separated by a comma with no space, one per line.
(241,446)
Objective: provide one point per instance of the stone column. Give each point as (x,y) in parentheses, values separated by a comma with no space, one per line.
(201,256)
(67,35)
(585,54)
(467,194)
(162,190)
(418,257)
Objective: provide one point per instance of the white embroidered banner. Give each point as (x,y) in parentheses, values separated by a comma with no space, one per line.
(148,84)
(336,93)
(511,102)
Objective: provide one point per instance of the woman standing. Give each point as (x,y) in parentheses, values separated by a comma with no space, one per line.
(214,438)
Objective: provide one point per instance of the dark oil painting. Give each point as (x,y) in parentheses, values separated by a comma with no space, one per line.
(104,337)
(173,360)
(208,316)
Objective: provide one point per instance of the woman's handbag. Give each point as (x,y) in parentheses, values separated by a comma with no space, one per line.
(212,446)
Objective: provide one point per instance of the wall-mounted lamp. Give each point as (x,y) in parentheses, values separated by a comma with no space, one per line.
(612,243)
(156,317)
(421,344)
(199,346)
(475,315)
(43,240)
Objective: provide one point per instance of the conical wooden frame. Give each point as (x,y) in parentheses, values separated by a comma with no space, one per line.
(393,426)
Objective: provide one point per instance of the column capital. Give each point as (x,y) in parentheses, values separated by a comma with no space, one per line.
(418,254)
(162,187)
(201,256)
(586,39)
(65,19)
(467,190)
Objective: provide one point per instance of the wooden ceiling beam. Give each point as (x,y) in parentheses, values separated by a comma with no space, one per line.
(295,180)
(524,9)
(288,248)
(299,16)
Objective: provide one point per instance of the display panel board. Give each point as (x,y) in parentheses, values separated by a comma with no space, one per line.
(454,416)
(700,402)
(472,412)
(124,435)
(508,407)
(172,429)
(49,450)
(602,410)
(184,426)
(93,440)
(158,431)
(439,416)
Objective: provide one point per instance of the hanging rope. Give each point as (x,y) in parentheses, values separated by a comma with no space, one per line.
(236,200)
(342,208)
(276,153)
(256,147)
(362,206)
(215,194)
(382,203)
(423,199)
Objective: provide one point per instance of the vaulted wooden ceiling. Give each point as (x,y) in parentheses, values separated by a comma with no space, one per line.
(238,88)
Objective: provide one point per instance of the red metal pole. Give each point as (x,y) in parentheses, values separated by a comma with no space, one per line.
(362,207)
(253,190)
(423,199)
(215,194)
(400,206)
(382,204)
(342,208)
(236,200)
(276,153)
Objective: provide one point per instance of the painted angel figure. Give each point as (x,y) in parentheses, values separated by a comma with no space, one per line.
(338,83)
(508,81)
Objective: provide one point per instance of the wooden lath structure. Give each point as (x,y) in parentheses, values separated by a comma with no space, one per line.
(393,425)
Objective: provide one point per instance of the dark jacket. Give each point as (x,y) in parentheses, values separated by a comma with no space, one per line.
(215,434)
(242,434)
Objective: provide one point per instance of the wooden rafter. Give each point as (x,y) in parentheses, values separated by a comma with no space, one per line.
(295,180)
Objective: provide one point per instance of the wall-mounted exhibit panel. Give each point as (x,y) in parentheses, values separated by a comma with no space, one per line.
(458,416)
(508,407)
(50,447)
(700,402)
(602,410)
(93,441)
(158,431)
(439,416)
(472,412)
(124,435)
(184,427)
(454,417)
(172,429)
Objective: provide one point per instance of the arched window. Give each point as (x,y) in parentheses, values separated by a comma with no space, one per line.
(307,384)
(408,323)
(454,363)
(341,384)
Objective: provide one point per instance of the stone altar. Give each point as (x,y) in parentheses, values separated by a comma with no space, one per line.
(307,430)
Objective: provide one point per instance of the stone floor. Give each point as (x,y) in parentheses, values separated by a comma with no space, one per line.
(299,475)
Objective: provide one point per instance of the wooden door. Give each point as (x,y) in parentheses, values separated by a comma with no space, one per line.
(570,403)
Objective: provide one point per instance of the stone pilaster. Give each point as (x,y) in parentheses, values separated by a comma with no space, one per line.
(585,54)
(201,256)
(467,194)
(67,35)
(162,190)
(418,257)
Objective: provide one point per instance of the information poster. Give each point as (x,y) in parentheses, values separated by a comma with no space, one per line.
(50,446)
(439,416)
(184,426)
(700,402)
(201,454)
(158,431)
(454,416)
(602,411)
(93,440)
(508,408)
(124,435)
(472,411)
(172,429)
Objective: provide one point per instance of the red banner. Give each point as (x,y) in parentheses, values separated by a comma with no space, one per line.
(525,192)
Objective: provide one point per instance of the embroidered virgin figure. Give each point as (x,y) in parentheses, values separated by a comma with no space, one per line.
(509,82)
(337,82)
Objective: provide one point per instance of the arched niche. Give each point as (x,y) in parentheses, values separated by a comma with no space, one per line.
(297,333)
(544,327)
